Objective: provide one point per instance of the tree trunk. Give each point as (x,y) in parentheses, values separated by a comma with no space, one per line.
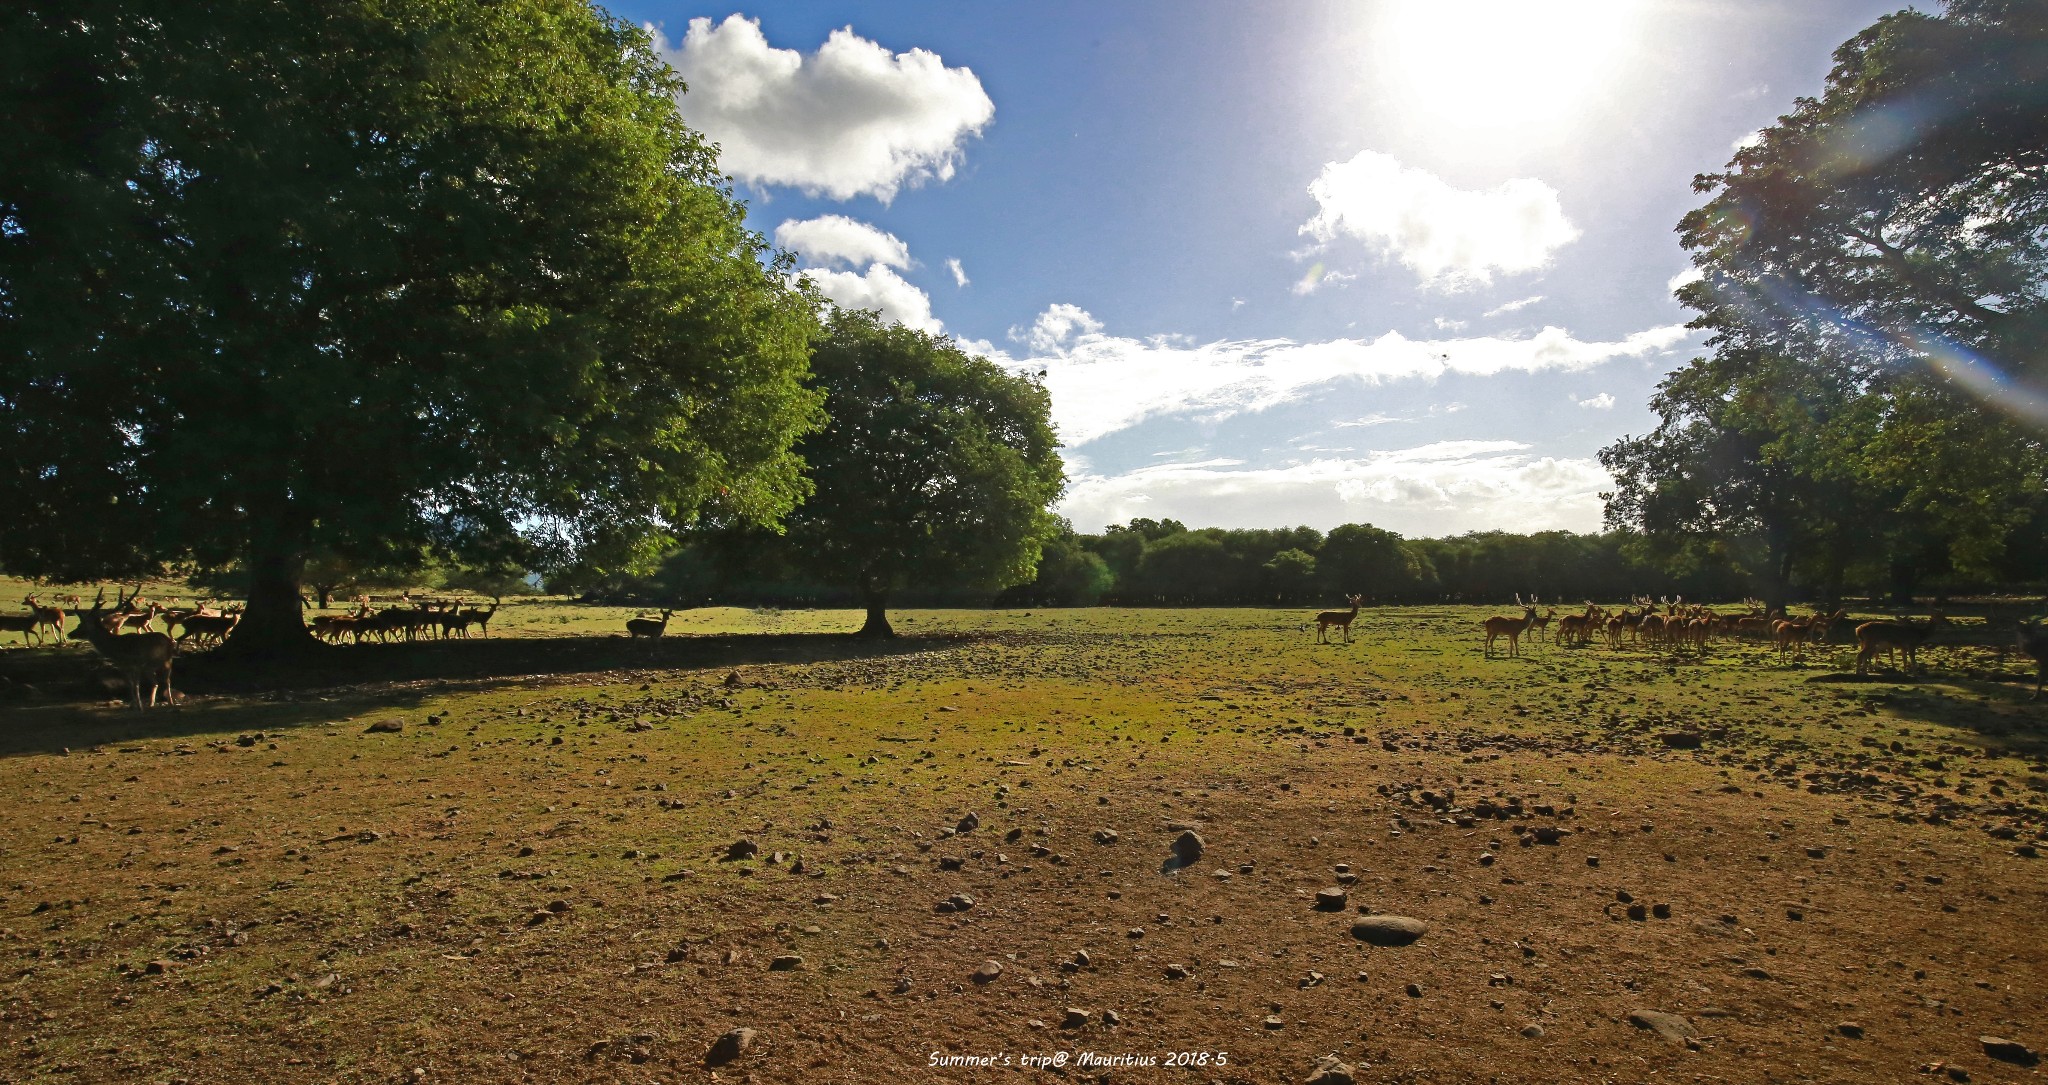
(878,616)
(273,626)
(325,592)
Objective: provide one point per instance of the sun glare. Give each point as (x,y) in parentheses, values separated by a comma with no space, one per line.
(1512,71)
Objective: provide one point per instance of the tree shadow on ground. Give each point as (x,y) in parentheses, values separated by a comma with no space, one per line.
(1994,705)
(62,698)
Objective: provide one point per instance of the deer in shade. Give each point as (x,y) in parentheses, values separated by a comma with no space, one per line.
(140,657)
(648,627)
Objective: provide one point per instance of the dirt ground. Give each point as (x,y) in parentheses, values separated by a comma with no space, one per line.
(966,866)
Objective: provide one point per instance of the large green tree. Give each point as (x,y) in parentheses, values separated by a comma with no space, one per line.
(281,280)
(1875,288)
(936,467)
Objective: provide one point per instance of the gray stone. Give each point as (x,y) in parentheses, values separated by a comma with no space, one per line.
(1388,930)
(988,972)
(1674,1030)
(730,1046)
(1331,1070)
(1188,848)
(1330,900)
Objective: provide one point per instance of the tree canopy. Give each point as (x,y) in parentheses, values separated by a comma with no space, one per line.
(353,278)
(1874,285)
(934,467)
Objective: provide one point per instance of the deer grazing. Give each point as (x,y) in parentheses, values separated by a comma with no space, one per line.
(139,656)
(1512,629)
(1342,619)
(1902,635)
(648,627)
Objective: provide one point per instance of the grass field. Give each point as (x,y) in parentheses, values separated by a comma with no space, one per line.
(529,881)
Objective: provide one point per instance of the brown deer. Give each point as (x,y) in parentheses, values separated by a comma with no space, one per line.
(209,628)
(1342,619)
(1543,624)
(1512,629)
(648,627)
(480,618)
(52,617)
(138,656)
(2032,640)
(28,625)
(1902,634)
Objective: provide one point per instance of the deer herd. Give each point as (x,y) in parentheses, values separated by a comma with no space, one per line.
(412,620)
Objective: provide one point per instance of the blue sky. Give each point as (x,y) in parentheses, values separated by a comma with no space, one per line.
(1405,263)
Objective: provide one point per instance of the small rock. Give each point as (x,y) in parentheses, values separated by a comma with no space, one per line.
(1532,1032)
(741,849)
(1414,990)
(1851,1029)
(969,823)
(1105,836)
(385,727)
(1388,930)
(1188,848)
(1176,972)
(1076,1017)
(2011,1051)
(988,972)
(788,962)
(730,1046)
(156,968)
(1274,1022)
(1674,1030)
(1331,1071)
(1330,900)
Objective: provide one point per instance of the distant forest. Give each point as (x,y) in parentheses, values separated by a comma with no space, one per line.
(1164,563)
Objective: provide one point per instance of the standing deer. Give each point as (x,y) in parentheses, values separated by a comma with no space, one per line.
(1511,628)
(1342,619)
(480,618)
(2032,639)
(1902,634)
(52,617)
(28,625)
(138,656)
(648,627)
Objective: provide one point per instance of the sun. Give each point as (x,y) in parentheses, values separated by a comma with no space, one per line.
(1505,71)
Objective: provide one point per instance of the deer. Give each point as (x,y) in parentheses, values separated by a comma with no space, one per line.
(1903,635)
(1789,634)
(28,625)
(480,618)
(53,617)
(1342,619)
(2032,640)
(138,656)
(1512,628)
(1543,624)
(209,627)
(648,627)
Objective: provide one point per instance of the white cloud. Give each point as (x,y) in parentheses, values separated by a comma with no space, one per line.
(1689,275)
(1747,141)
(959,273)
(1602,402)
(1444,488)
(881,289)
(835,239)
(1049,333)
(1445,324)
(1236,303)
(1448,236)
(850,119)
(1104,383)
(1514,306)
